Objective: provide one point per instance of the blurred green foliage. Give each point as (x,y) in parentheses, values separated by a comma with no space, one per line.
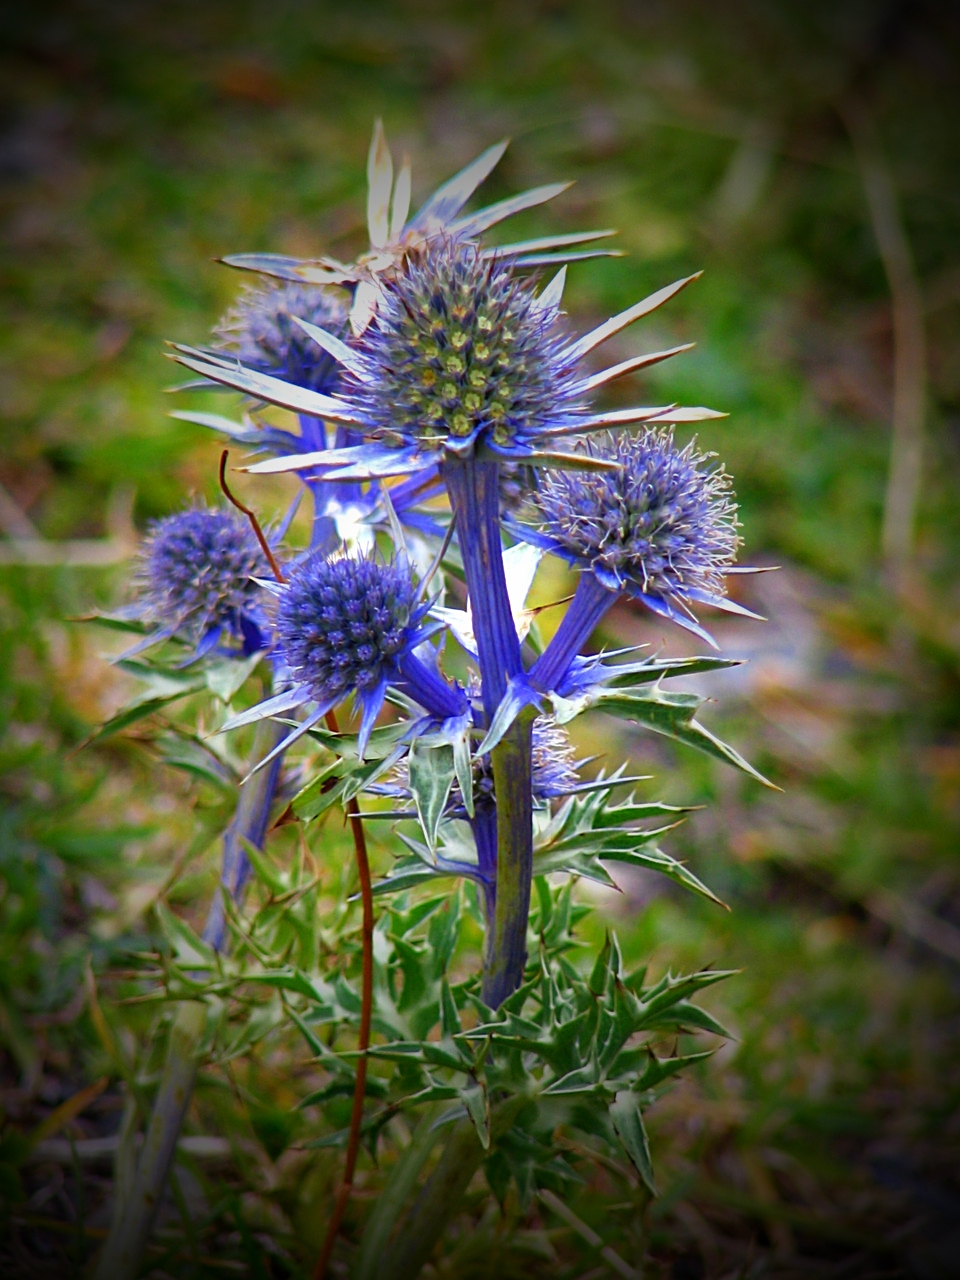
(142,141)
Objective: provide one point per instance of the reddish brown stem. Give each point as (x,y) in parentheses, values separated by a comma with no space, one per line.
(251,516)
(366,1013)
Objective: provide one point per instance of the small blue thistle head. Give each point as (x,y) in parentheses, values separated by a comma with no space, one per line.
(553,773)
(462,354)
(343,623)
(196,578)
(554,764)
(662,526)
(261,330)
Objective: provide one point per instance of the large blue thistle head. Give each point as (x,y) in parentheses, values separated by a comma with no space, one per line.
(661,526)
(197,580)
(462,354)
(261,329)
(350,625)
(342,623)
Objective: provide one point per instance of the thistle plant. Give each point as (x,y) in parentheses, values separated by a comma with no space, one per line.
(426,380)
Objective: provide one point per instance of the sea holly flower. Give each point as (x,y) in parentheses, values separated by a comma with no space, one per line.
(660,526)
(461,366)
(263,332)
(394,234)
(351,625)
(261,329)
(198,579)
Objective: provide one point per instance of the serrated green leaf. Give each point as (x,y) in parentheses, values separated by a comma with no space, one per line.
(660,1069)
(474,1098)
(463,768)
(183,751)
(597,982)
(449,1015)
(190,949)
(684,1015)
(580,1080)
(657,860)
(628,1125)
(431,773)
(674,716)
(630,674)
(408,874)
(288,979)
(130,715)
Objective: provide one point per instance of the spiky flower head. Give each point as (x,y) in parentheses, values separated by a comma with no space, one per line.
(196,577)
(342,623)
(261,329)
(462,353)
(662,525)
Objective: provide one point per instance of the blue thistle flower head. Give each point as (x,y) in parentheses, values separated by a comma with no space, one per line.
(351,624)
(343,623)
(462,354)
(661,526)
(261,329)
(196,579)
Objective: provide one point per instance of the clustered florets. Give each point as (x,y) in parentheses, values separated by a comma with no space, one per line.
(261,330)
(342,623)
(197,570)
(553,770)
(460,351)
(662,522)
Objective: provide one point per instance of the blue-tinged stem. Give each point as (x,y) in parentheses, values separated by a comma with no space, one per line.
(429,688)
(313,433)
(123,1252)
(484,823)
(588,606)
(474,491)
(249,823)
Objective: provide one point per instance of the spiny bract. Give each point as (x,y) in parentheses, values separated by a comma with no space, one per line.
(342,623)
(196,572)
(661,523)
(461,351)
(261,330)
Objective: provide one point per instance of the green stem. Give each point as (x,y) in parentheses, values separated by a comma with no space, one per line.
(127,1242)
(505,945)
(440,1197)
(132,1224)
(399,1185)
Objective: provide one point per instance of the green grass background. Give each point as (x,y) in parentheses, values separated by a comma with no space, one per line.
(141,141)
